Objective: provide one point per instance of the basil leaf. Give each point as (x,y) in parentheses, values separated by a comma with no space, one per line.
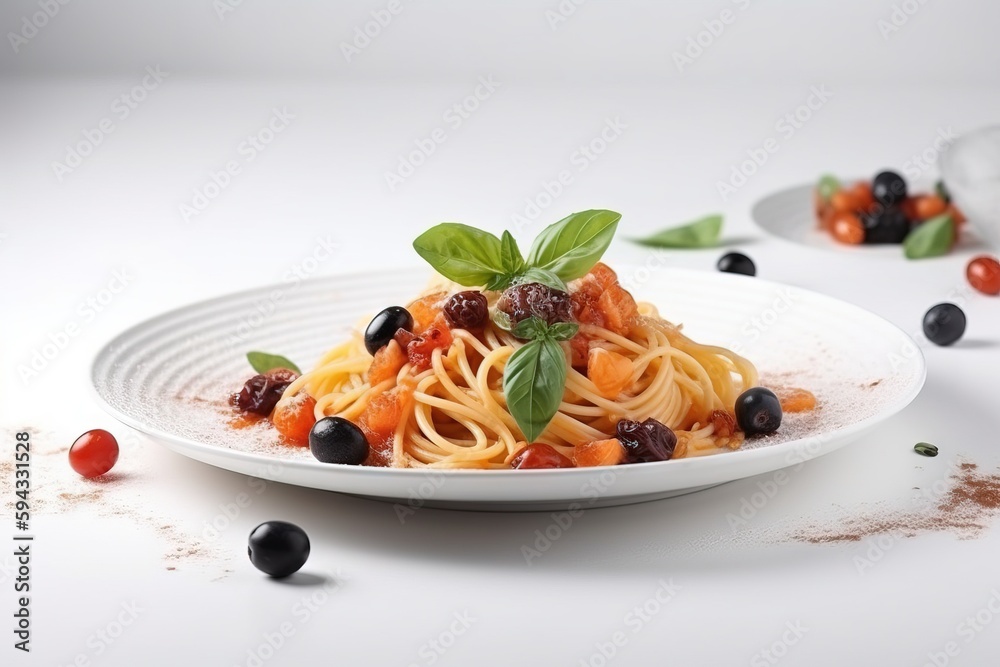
(510,254)
(827,186)
(533,383)
(263,362)
(941,190)
(702,233)
(536,275)
(530,328)
(461,253)
(570,248)
(498,282)
(930,239)
(563,330)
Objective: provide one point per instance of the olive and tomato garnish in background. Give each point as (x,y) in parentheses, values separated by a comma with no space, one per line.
(884,211)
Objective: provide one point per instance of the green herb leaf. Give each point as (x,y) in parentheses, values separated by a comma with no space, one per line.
(702,233)
(498,282)
(570,248)
(827,186)
(930,239)
(925,449)
(530,328)
(461,253)
(510,254)
(536,275)
(563,330)
(263,362)
(942,191)
(533,383)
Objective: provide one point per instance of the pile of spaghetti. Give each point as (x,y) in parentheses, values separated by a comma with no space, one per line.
(547,362)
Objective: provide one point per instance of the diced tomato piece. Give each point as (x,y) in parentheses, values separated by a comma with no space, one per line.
(599,453)
(844,201)
(609,371)
(295,418)
(863,197)
(420,349)
(426,310)
(796,400)
(579,346)
(387,363)
(619,309)
(926,207)
(598,299)
(380,419)
(539,455)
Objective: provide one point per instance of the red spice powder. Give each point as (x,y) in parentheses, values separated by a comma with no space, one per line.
(970,502)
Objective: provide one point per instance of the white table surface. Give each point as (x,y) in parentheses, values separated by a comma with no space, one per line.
(399,586)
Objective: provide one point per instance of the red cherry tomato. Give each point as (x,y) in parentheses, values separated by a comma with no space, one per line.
(93,453)
(984,275)
(539,455)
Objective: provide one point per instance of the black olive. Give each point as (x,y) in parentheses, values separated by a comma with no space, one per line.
(889,188)
(278,548)
(885,225)
(758,411)
(261,392)
(536,300)
(467,310)
(646,441)
(385,325)
(735,262)
(337,440)
(944,324)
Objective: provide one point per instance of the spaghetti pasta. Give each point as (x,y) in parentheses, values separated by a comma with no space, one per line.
(449,410)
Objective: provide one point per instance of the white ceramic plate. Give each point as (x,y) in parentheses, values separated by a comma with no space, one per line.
(169,378)
(789,214)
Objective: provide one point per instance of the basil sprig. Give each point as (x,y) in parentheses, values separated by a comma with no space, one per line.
(702,233)
(827,186)
(263,362)
(931,239)
(535,376)
(563,251)
(571,247)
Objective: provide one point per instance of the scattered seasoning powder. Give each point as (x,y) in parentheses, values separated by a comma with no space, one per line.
(968,505)
(57,489)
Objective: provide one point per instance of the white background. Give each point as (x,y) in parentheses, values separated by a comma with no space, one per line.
(324,175)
